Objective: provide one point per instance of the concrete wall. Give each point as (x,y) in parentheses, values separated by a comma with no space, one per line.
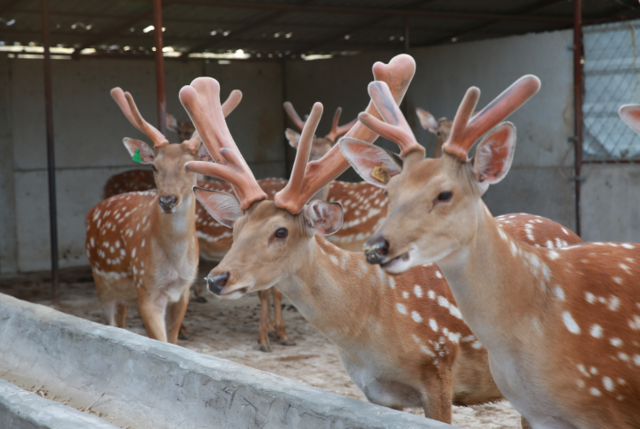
(89,128)
(142,383)
(20,409)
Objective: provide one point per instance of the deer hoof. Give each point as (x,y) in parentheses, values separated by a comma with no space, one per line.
(288,342)
(201,299)
(265,348)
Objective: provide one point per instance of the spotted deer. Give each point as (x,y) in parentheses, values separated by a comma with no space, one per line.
(142,246)
(401,339)
(561,325)
(364,209)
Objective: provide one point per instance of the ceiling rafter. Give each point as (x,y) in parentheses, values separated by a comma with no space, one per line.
(482,16)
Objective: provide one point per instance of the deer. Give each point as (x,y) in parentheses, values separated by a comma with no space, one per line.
(215,239)
(142,246)
(401,339)
(561,324)
(441,128)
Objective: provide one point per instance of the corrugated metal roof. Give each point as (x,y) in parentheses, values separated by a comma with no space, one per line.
(290,27)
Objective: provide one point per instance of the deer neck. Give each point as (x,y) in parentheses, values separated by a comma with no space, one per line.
(499,284)
(335,293)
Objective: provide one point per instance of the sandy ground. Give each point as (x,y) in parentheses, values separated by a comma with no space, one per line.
(228,329)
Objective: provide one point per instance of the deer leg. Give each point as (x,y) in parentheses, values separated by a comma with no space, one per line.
(436,394)
(279,320)
(108,305)
(263,329)
(121,314)
(525,424)
(152,313)
(175,315)
(197,290)
(110,312)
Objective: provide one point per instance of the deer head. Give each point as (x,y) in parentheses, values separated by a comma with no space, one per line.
(441,128)
(321,145)
(173,182)
(433,203)
(282,230)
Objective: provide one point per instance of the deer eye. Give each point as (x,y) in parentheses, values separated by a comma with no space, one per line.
(445,196)
(281,233)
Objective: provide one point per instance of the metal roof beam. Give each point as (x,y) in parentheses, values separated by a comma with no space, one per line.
(474,16)
(101,37)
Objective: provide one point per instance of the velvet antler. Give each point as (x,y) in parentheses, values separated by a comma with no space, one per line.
(465,132)
(130,110)
(336,130)
(201,100)
(395,126)
(397,74)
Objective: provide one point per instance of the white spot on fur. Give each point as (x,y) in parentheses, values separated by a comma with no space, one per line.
(558,292)
(438,274)
(405,294)
(608,383)
(596,331)
(416,317)
(433,324)
(616,342)
(401,308)
(571,324)
(553,255)
(595,392)
(417,290)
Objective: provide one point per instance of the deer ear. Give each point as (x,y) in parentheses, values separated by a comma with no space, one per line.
(630,115)
(172,122)
(141,148)
(427,120)
(223,207)
(204,154)
(374,164)
(293,137)
(494,154)
(322,217)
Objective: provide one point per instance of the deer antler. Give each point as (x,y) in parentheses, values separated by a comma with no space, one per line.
(395,127)
(201,100)
(130,110)
(338,130)
(397,74)
(232,102)
(227,107)
(465,132)
(293,115)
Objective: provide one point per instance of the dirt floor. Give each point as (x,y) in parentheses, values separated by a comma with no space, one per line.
(228,329)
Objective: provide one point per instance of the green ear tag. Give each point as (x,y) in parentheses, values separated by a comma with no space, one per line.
(136,156)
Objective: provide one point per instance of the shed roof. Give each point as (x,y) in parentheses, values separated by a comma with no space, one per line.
(285,28)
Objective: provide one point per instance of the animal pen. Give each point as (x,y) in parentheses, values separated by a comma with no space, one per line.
(577,165)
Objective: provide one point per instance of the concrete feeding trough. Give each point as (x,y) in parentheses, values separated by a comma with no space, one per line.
(141,383)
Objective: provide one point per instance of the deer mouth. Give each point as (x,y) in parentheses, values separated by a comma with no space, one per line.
(234,294)
(400,263)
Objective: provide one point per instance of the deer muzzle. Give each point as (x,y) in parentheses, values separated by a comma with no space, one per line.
(168,202)
(376,249)
(216,284)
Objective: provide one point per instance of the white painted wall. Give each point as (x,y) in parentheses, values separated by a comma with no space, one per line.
(89,129)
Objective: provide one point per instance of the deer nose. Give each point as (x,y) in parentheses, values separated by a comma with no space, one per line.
(376,249)
(167,202)
(217,283)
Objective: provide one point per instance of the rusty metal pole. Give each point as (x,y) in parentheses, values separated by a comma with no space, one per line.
(577,104)
(283,82)
(161,96)
(404,108)
(51,166)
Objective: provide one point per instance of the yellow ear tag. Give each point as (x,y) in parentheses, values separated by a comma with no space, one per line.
(381,174)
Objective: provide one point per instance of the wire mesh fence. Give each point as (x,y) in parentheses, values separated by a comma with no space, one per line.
(610,80)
